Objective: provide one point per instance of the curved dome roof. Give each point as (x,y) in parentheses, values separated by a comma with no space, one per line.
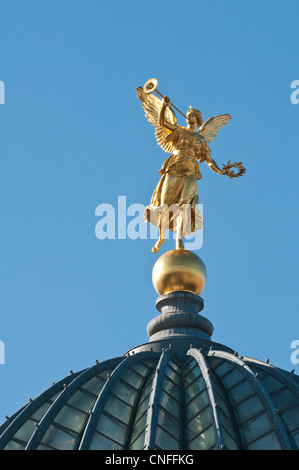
(205,398)
(166,394)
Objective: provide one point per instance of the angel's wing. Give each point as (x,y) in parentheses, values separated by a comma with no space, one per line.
(212,126)
(152,105)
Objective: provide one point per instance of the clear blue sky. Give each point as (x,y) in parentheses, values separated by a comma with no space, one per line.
(73,136)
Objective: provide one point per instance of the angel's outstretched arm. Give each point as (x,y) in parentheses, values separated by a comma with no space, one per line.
(213,165)
(162,121)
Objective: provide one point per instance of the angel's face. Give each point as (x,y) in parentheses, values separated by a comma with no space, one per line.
(191,119)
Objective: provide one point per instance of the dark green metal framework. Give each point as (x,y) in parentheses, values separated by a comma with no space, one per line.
(166,394)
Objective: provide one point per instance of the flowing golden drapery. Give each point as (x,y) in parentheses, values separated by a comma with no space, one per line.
(176,190)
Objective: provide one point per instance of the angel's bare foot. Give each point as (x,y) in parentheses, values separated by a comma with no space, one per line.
(179,243)
(157,246)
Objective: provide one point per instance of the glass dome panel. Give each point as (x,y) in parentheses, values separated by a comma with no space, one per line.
(139,424)
(100,442)
(115,423)
(165,440)
(21,437)
(67,425)
(204,441)
(112,428)
(199,418)
(284,399)
(14,445)
(267,442)
(57,438)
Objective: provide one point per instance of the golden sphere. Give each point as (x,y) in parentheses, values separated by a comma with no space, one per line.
(179,270)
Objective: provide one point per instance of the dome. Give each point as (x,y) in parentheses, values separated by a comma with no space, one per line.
(166,394)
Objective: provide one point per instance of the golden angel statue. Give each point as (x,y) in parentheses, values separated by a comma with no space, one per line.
(177,189)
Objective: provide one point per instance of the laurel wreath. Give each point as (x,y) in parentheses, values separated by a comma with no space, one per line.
(227,169)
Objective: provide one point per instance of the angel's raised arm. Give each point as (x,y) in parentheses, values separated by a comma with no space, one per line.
(157,111)
(163,118)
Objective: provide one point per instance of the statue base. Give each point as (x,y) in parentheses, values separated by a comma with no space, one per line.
(179,318)
(179,270)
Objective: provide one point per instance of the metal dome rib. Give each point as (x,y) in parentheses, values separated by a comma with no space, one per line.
(152,418)
(262,394)
(286,377)
(211,392)
(64,396)
(19,418)
(105,394)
